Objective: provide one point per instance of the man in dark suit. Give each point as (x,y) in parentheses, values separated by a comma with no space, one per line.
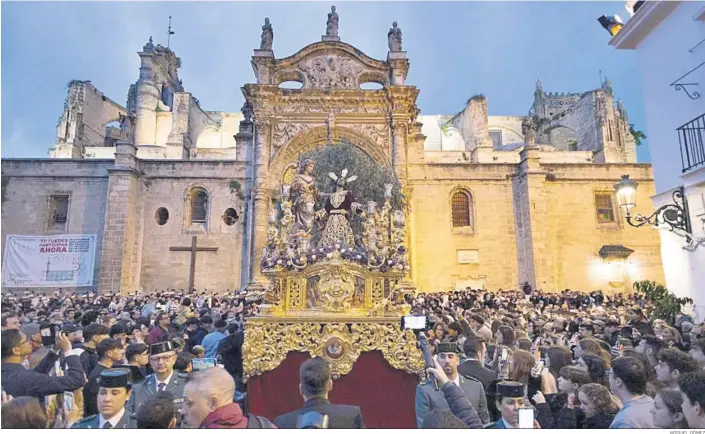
(315,385)
(475,350)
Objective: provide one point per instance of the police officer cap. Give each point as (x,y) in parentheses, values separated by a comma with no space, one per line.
(162,347)
(448,347)
(510,389)
(112,378)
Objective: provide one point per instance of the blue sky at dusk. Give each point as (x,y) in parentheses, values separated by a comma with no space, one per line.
(456,50)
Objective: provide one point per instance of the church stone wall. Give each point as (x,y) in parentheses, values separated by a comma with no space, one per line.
(561,138)
(436,242)
(27,186)
(167,186)
(98,110)
(198,120)
(83,120)
(585,123)
(574,237)
(163,128)
(510,126)
(535,221)
(220,137)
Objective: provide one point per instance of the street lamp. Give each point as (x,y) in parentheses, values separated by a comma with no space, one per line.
(672,215)
(612,24)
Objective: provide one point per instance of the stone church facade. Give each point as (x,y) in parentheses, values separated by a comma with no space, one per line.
(493,201)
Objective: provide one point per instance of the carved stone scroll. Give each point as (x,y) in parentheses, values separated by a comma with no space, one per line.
(331,72)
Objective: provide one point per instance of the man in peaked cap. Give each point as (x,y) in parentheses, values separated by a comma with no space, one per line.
(115,387)
(429,398)
(510,398)
(162,357)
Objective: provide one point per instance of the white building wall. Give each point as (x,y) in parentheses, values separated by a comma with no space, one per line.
(663,58)
(668,51)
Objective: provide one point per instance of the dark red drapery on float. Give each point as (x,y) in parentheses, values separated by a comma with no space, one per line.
(384,394)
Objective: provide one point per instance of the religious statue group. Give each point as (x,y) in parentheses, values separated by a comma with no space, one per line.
(393,36)
(299,234)
(339,206)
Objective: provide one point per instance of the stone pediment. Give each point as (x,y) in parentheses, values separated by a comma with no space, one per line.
(326,66)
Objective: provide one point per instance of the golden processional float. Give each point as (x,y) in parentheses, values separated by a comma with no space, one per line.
(332,293)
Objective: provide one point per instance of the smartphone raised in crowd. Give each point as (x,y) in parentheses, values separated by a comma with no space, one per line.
(48,334)
(201,364)
(526,418)
(412,322)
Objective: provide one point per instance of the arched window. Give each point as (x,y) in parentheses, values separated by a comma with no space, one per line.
(461,208)
(199,206)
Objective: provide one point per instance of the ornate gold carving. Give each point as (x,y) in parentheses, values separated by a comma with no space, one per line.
(336,289)
(267,343)
(296,293)
(377,290)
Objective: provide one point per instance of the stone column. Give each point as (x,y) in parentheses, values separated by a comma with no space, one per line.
(118,249)
(260,209)
(260,202)
(399,149)
(243,139)
(535,260)
(399,67)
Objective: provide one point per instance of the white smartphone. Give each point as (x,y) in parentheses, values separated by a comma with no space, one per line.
(526,418)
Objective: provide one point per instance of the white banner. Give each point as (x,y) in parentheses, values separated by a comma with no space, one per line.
(48,261)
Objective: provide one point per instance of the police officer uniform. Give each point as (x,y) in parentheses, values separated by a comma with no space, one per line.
(507,389)
(150,386)
(110,378)
(429,398)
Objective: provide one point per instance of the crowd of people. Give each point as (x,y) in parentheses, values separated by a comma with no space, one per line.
(569,359)
(504,359)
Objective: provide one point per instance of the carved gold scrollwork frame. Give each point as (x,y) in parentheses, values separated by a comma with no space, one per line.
(268,341)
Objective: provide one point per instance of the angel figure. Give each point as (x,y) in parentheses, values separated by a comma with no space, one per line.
(339,205)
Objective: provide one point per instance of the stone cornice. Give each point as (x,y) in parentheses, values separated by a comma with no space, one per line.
(268,100)
(125,171)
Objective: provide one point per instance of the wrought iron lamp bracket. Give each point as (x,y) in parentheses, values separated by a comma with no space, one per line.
(684,86)
(674,216)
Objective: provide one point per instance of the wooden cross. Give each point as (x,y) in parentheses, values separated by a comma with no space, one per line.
(193,248)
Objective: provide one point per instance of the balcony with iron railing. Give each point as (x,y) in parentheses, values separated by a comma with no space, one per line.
(691,137)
